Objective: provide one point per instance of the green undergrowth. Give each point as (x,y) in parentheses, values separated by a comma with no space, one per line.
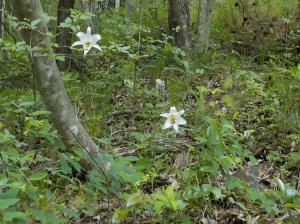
(241,113)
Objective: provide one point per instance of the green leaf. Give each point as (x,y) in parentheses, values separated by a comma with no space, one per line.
(31,191)
(228,101)
(291,205)
(134,199)
(11,193)
(35,22)
(279,184)
(229,82)
(10,216)
(216,192)
(66,169)
(6,203)
(171,197)
(40,175)
(180,204)
(119,215)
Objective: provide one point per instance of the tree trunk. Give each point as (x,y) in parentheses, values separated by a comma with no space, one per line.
(2,6)
(205,9)
(64,35)
(48,80)
(130,7)
(117,4)
(91,6)
(179,18)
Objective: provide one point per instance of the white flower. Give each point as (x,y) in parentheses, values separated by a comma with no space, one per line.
(160,85)
(174,118)
(88,40)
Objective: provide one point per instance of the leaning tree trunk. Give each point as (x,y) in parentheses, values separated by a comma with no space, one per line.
(2,6)
(203,30)
(48,79)
(179,17)
(64,35)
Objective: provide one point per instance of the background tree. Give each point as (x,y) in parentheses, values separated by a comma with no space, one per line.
(2,5)
(130,7)
(91,6)
(179,18)
(117,4)
(64,35)
(203,30)
(48,80)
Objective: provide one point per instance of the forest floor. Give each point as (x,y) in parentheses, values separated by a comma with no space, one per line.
(236,161)
(241,113)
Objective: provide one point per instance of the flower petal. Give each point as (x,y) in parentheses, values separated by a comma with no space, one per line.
(180,121)
(95,38)
(76,43)
(176,127)
(173,110)
(80,35)
(86,51)
(164,115)
(167,124)
(89,31)
(181,112)
(97,47)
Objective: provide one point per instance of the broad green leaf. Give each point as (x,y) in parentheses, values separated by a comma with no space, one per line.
(6,203)
(291,205)
(11,193)
(31,191)
(40,175)
(171,197)
(206,187)
(216,192)
(39,215)
(17,184)
(35,22)
(10,216)
(180,204)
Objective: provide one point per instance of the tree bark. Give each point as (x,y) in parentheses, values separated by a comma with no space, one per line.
(203,30)
(130,7)
(48,80)
(91,6)
(2,6)
(179,17)
(117,4)
(64,35)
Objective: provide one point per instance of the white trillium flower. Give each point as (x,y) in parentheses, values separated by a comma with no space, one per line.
(87,40)
(174,118)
